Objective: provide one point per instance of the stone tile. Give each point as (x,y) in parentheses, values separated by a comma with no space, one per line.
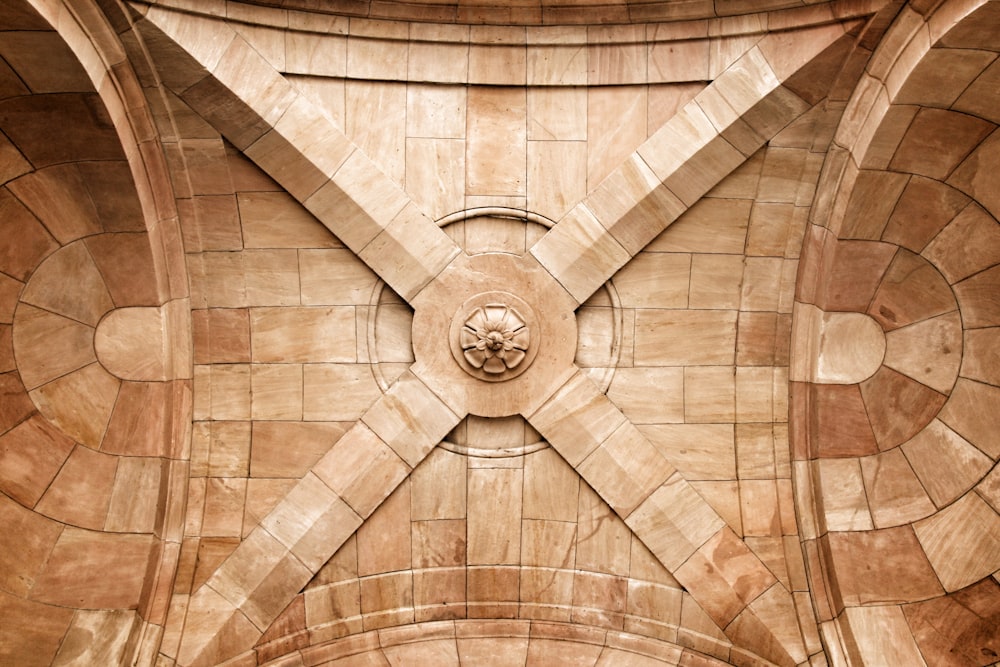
(79,403)
(882,566)
(557,114)
(493,592)
(271,457)
(649,395)
(551,487)
(500,651)
(871,204)
(435,651)
(689,155)
(500,58)
(611,62)
(895,495)
(126,263)
(438,487)
(698,451)
(24,249)
(81,559)
(980,361)
(384,539)
(97,636)
(940,626)
(633,205)
(625,469)
(546,594)
(276,220)
(709,394)
(410,419)
(48,346)
(967,245)
(435,111)
(554,191)
(263,495)
(674,522)
(576,419)
(134,500)
(312,522)
(616,126)
(494,506)
(873,626)
(276,391)
(599,599)
(912,290)
(298,335)
(69,284)
(912,349)
(945,463)
(724,576)
(716,280)
(361,469)
(221,335)
(759,507)
(210,222)
(302,152)
(272,277)
(898,406)
(925,207)
(755,451)
(85,474)
(684,337)
(854,272)
(224,501)
(410,252)
(925,150)
(548,651)
(358,202)
(438,185)
(710,226)
(32,538)
(977,298)
(580,253)
(769,627)
(602,539)
(842,426)
(32,454)
(337,392)
(439,594)
(496,148)
(654,280)
(439,543)
(843,497)
(229,392)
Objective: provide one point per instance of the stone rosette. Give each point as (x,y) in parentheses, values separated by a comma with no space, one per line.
(494,337)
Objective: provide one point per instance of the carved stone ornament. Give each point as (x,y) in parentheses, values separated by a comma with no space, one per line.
(492,336)
(495,338)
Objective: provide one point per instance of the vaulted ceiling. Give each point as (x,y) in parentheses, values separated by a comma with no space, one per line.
(382,333)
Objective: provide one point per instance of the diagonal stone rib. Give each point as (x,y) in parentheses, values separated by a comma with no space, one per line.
(246,593)
(688,537)
(704,142)
(219,75)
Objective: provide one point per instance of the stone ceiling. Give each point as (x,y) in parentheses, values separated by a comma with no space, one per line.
(617,334)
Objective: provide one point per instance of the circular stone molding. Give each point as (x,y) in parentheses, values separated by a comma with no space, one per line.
(491,336)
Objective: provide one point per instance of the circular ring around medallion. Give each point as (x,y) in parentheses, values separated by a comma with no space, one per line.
(493,336)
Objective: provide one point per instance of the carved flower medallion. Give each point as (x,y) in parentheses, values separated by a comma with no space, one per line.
(495,338)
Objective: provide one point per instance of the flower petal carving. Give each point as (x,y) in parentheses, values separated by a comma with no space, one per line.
(494,338)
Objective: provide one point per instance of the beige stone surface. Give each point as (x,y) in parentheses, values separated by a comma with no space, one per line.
(234,239)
